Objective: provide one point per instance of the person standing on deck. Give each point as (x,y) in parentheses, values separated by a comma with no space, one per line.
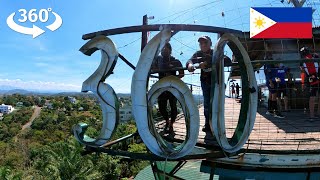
(290,84)
(237,90)
(204,58)
(310,71)
(271,73)
(281,86)
(232,90)
(267,72)
(166,62)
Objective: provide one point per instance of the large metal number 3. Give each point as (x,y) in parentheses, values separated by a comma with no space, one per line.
(107,97)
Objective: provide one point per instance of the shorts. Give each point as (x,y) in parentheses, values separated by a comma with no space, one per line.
(271,90)
(281,88)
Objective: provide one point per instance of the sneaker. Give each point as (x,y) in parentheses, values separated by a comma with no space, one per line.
(278,116)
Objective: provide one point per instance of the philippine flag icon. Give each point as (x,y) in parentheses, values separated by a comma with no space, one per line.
(280,22)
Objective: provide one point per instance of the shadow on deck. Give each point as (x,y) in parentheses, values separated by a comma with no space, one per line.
(295,121)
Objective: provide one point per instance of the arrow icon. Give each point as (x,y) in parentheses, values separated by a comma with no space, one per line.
(56,24)
(35,31)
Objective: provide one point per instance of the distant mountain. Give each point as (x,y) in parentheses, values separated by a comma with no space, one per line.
(7,88)
(69,93)
(2,91)
(17,91)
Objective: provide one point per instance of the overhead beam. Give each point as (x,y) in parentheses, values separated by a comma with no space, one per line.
(157,27)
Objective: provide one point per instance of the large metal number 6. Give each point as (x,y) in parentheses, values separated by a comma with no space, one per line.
(141,100)
(107,97)
(249,98)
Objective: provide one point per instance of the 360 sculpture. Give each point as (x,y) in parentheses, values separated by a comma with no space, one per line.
(143,100)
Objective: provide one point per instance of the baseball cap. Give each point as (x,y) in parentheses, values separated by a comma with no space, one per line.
(206,38)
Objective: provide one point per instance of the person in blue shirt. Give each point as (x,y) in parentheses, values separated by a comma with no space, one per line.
(275,81)
(281,87)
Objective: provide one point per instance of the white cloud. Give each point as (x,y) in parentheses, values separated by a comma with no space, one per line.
(51,58)
(120,85)
(40,64)
(53,69)
(39,85)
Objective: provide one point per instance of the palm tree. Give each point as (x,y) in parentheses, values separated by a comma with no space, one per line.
(62,160)
(7,174)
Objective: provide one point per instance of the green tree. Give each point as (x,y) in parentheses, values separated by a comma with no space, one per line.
(85,106)
(61,117)
(62,160)
(6,173)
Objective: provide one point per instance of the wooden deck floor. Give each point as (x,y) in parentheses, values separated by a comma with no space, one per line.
(294,132)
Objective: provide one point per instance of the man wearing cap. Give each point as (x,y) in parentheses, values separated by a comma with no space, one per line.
(166,62)
(203,58)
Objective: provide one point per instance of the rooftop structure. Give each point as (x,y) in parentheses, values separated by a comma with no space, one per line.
(6,109)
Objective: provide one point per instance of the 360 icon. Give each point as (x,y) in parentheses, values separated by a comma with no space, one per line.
(34,15)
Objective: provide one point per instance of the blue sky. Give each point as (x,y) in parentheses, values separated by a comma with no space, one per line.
(52,61)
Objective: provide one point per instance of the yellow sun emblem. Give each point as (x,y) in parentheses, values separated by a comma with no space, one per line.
(259,22)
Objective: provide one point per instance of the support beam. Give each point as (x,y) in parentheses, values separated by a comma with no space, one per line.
(108,144)
(144,35)
(126,61)
(156,27)
(149,156)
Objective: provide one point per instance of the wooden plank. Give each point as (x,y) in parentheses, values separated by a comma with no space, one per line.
(290,133)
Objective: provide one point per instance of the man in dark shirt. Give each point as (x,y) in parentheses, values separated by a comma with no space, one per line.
(232,90)
(237,90)
(276,85)
(203,58)
(166,62)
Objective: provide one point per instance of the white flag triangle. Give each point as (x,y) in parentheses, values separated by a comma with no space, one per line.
(259,22)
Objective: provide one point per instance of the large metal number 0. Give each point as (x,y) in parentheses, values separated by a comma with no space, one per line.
(249,98)
(140,102)
(107,97)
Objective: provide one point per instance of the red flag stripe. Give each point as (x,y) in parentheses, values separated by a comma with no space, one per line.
(287,30)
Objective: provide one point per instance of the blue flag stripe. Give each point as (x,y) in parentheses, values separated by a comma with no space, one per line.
(286,14)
